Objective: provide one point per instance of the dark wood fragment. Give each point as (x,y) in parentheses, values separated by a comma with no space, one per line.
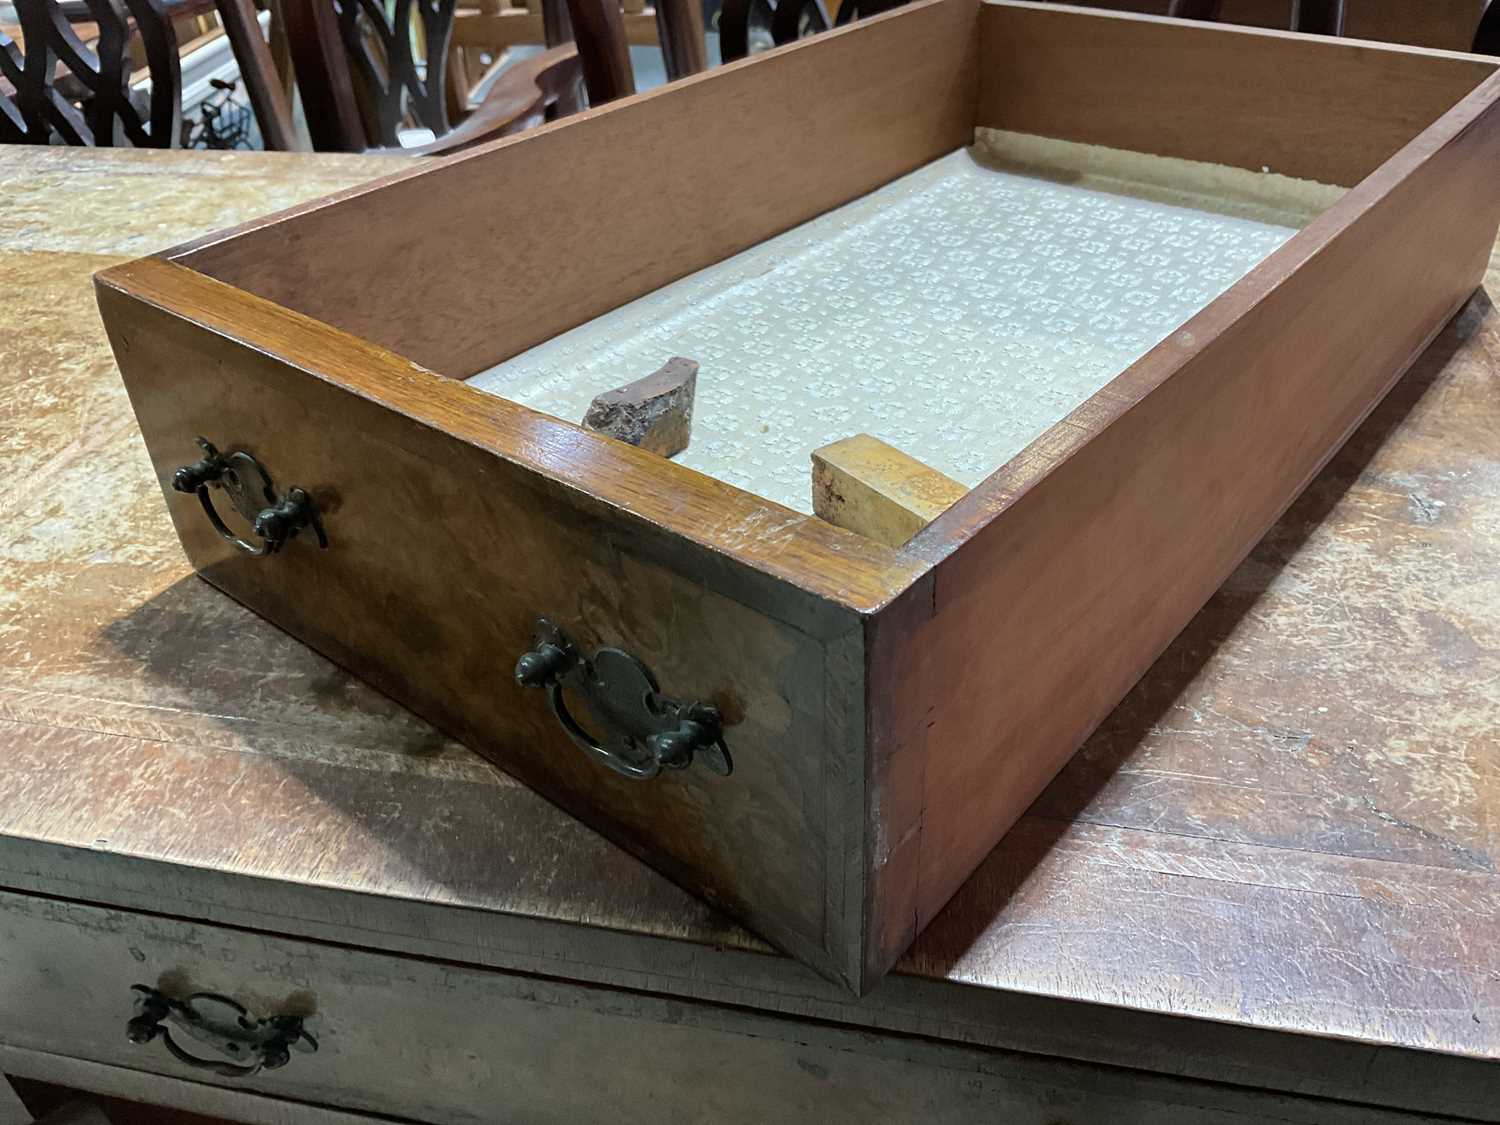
(655,413)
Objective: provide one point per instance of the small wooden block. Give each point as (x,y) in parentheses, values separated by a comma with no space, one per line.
(865,485)
(655,413)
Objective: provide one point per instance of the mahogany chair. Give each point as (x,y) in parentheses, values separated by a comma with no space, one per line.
(676,26)
(61,90)
(747,26)
(362,82)
(598,26)
(1317,17)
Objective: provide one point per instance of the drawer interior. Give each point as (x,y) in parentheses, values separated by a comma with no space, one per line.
(955,313)
(948,227)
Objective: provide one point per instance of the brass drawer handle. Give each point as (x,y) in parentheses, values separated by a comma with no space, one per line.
(275,520)
(227,1026)
(645,732)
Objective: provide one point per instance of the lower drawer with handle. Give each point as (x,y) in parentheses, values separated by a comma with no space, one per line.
(432,1041)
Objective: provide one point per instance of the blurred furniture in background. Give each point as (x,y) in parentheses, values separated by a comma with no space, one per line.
(109,72)
(605,31)
(750,26)
(363,84)
(371,74)
(267,85)
(676,26)
(1318,17)
(1446,24)
(61,91)
(747,27)
(1487,38)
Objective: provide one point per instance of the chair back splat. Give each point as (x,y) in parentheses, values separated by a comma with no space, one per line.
(65,91)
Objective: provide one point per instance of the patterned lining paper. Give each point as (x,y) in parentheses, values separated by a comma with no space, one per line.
(956,312)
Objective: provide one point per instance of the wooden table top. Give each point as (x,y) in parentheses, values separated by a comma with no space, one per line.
(1275,864)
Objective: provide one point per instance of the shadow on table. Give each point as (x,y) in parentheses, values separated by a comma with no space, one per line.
(336,783)
(1080,793)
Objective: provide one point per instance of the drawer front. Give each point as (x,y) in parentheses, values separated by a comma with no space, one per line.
(439,1042)
(442,556)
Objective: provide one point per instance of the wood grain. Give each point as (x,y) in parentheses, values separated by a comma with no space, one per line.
(888,95)
(1057,585)
(1206,92)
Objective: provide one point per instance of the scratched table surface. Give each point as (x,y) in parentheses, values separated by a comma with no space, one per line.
(1274,865)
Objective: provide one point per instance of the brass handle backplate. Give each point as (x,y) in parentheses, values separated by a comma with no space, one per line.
(274,520)
(644,732)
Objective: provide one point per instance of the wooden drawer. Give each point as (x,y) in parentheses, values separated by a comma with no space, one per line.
(889,710)
(439,1042)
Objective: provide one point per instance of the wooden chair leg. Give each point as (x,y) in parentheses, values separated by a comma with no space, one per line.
(1194,9)
(557,23)
(679,26)
(457,84)
(273,113)
(557,29)
(734,29)
(1318,17)
(281,52)
(603,53)
(323,77)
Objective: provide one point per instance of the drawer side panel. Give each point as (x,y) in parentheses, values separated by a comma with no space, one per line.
(1055,589)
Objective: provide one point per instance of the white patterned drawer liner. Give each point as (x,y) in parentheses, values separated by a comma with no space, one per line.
(956,312)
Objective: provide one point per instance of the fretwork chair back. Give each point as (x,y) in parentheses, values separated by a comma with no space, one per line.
(62,90)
